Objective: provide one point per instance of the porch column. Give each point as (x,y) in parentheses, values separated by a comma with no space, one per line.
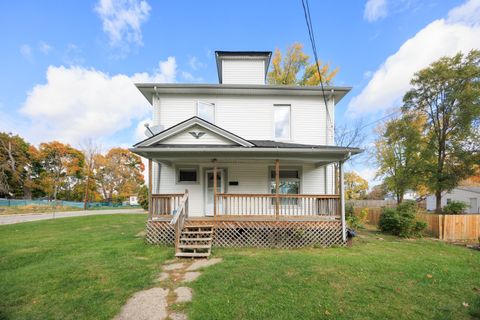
(150,188)
(342,200)
(214,187)
(277,187)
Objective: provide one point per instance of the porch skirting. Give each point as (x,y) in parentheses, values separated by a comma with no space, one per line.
(260,234)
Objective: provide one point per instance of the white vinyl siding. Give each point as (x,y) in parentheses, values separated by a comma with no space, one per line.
(208,137)
(250,117)
(243,71)
(251,178)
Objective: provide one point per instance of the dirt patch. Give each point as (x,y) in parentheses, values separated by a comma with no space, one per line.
(149,304)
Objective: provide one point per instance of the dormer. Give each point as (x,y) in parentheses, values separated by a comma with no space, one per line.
(242,67)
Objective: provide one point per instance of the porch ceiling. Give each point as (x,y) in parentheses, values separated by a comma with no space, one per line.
(318,156)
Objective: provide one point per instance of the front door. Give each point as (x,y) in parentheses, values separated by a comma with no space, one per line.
(209,189)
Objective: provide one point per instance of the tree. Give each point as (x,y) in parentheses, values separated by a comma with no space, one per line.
(378,192)
(15,165)
(285,69)
(118,173)
(447,94)
(398,153)
(355,186)
(61,168)
(90,150)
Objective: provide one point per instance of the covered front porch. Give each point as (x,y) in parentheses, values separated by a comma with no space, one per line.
(249,192)
(220,199)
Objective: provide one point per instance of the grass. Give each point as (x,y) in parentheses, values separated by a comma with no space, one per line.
(87,267)
(75,268)
(385,278)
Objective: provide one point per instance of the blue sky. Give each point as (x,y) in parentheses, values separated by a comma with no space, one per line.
(64,63)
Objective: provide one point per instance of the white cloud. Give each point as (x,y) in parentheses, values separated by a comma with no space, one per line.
(45,48)
(77,103)
(443,37)
(122,20)
(375,10)
(195,64)
(190,77)
(26,52)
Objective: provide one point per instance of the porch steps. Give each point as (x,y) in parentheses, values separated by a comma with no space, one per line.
(195,241)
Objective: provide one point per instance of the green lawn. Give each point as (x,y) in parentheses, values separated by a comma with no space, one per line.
(74,268)
(374,279)
(87,267)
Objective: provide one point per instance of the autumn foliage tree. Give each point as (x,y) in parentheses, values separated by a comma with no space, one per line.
(17,160)
(355,186)
(61,167)
(295,68)
(398,153)
(118,173)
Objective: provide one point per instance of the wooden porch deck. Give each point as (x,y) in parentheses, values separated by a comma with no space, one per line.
(297,220)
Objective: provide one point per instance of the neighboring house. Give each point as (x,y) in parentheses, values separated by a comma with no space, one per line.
(133,201)
(469,195)
(409,195)
(255,161)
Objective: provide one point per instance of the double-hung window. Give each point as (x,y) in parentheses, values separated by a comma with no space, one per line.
(282,119)
(206,111)
(289,184)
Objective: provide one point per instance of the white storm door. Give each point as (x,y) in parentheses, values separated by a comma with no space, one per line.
(208,185)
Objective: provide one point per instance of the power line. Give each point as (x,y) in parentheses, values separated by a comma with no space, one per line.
(308,20)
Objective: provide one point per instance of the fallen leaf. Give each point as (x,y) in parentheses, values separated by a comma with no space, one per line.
(429,276)
(327,312)
(476,289)
(465,304)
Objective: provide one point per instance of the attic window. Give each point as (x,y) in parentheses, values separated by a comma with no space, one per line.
(206,111)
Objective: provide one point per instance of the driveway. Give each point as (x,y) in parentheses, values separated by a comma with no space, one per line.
(26,217)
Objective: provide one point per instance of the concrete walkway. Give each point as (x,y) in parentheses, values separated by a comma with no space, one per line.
(26,217)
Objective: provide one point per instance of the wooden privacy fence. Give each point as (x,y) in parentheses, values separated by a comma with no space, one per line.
(372,203)
(449,227)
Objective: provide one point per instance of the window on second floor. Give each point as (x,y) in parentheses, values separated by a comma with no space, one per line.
(282,121)
(206,111)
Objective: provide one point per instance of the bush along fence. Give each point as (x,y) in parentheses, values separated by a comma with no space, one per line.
(448,227)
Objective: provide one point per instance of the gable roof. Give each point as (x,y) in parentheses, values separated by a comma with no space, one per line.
(193,121)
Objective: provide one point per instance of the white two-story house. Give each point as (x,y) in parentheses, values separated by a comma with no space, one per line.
(256,164)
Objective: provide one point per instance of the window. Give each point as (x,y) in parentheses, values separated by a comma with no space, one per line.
(282,122)
(206,111)
(449,200)
(289,184)
(188,175)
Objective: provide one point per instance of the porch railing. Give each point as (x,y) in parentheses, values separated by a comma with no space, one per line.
(281,205)
(179,216)
(165,204)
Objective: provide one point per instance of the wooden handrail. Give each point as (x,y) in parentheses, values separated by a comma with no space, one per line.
(179,217)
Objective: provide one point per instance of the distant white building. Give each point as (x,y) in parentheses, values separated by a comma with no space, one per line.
(469,195)
(133,201)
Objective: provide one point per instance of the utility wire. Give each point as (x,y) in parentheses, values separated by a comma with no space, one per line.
(308,20)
